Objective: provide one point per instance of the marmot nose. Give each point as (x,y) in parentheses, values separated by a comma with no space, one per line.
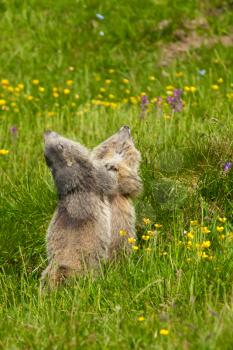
(125,128)
(47,132)
(50,133)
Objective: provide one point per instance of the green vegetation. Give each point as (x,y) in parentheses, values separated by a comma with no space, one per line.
(66,69)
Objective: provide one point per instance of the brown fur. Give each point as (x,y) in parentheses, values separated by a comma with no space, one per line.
(79,233)
(120,154)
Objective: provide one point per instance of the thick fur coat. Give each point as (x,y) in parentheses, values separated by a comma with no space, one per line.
(79,234)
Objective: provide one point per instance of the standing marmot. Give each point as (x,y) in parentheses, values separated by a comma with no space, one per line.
(121,155)
(79,233)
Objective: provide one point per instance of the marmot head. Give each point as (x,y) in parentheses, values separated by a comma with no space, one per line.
(120,154)
(119,147)
(69,163)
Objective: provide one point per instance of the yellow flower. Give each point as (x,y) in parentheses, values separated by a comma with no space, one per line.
(13,104)
(170,87)
(55,94)
(189,243)
(66,91)
(69,82)
(187,88)
(193,88)
(111,71)
(152,78)
(30,97)
(205,244)
(190,235)
(220,228)
(5,82)
(10,89)
(135,247)
(41,89)
(77,96)
(193,222)
(166,116)
(20,86)
(220,80)
(102,89)
(2,102)
(146,221)
(145,237)
(179,74)
(188,259)
(222,237)
(122,232)
(205,229)
(164,253)
(131,240)
(158,226)
(125,81)
(164,331)
(222,220)
(55,89)
(108,81)
(127,91)
(133,100)
(169,92)
(111,96)
(141,318)
(35,82)
(203,255)
(151,233)
(3,152)
(215,87)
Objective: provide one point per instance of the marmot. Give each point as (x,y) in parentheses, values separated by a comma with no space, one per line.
(121,155)
(80,231)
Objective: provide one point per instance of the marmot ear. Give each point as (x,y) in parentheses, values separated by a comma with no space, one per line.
(111,167)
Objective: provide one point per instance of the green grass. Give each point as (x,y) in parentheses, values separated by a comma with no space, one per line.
(177,284)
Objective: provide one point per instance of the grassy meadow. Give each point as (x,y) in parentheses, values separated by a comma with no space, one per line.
(84,69)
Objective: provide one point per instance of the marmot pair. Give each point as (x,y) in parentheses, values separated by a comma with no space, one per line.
(94,202)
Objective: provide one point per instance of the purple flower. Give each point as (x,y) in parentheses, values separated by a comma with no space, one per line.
(144,103)
(14,131)
(175,101)
(227,166)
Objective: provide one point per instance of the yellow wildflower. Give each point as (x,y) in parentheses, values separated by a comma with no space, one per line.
(125,81)
(205,229)
(111,96)
(3,152)
(127,91)
(146,221)
(55,94)
(151,233)
(164,331)
(193,222)
(187,88)
(158,226)
(2,102)
(215,87)
(145,237)
(141,318)
(135,247)
(203,255)
(35,82)
(10,89)
(55,89)
(5,82)
(152,78)
(20,86)
(77,96)
(69,82)
(222,220)
(111,71)
(13,104)
(170,87)
(71,69)
(41,89)
(166,116)
(188,259)
(190,235)
(220,80)
(164,253)
(131,240)
(148,249)
(66,91)
(122,232)
(102,89)
(189,244)
(219,228)
(193,88)
(108,81)
(205,244)
(30,97)
(222,237)
(179,74)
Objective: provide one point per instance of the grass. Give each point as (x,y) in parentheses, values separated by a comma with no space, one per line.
(180,279)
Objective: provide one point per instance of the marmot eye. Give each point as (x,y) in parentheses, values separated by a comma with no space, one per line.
(60,147)
(111,167)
